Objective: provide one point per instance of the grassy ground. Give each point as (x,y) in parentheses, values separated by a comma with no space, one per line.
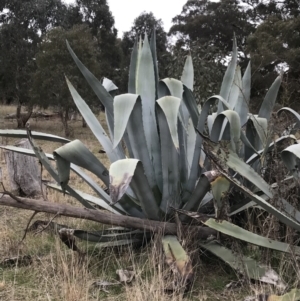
(56,273)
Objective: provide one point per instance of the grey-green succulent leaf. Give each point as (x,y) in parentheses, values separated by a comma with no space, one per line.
(177,256)
(242,234)
(35,135)
(187,77)
(228,77)
(170,106)
(291,158)
(244,265)
(105,98)
(242,105)
(270,99)
(95,126)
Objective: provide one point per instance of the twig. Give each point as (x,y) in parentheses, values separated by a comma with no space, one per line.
(26,230)
(49,223)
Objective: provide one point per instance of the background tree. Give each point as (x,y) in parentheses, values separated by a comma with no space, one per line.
(275,47)
(22,23)
(96,14)
(145,22)
(206,29)
(54,62)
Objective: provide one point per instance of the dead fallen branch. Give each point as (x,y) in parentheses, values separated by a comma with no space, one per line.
(104,217)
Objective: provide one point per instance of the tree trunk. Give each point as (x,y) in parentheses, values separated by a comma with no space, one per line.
(64,116)
(23,118)
(107,218)
(23,172)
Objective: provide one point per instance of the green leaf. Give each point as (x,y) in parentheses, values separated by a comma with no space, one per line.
(191,104)
(89,198)
(154,56)
(177,256)
(270,99)
(291,158)
(236,87)
(146,89)
(191,141)
(228,77)
(187,77)
(105,98)
(170,106)
(133,68)
(174,87)
(35,135)
(109,85)
(242,105)
(95,126)
(170,165)
(219,188)
(239,233)
(203,186)
(234,126)
(119,243)
(130,172)
(76,152)
(242,264)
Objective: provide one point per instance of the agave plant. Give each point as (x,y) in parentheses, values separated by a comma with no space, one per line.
(178,157)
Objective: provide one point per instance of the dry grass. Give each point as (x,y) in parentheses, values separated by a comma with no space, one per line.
(57,273)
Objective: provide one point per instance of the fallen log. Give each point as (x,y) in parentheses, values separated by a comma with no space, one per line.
(107,218)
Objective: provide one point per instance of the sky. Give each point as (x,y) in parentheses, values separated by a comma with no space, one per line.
(125,11)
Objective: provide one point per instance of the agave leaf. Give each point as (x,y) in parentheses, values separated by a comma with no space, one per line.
(183,160)
(133,68)
(195,168)
(293,295)
(170,165)
(90,198)
(138,143)
(146,89)
(270,99)
(187,77)
(294,113)
(154,56)
(236,87)
(174,87)
(203,186)
(191,104)
(123,106)
(35,135)
(246,265)
(105,98)
(46,163)
(191,141)
(219,188)
(242,105)
(76,152)
(130,171)
(234,126)
(77,170)
(239,233)
(261,202)
(94,125)
(291,158)
(228,77)
(236,164)
(170,106)
(176,256)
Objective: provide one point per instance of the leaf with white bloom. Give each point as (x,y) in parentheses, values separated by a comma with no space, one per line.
(174,87)
(270,99)
(130,172)
(122,111)
(242,105)
(35,135)
(170,106)
(95,126)
(228,77)
(291,158)
(187,77)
